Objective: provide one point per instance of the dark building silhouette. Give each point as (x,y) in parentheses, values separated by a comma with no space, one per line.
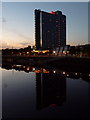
(50,90)
(50,29)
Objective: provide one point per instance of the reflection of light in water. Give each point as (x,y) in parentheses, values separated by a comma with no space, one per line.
(12,73)
(54,71)
(37,71)
(45,71)
(5,85)
(41,71)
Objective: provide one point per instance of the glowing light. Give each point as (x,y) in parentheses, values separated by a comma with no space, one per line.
(20,53)
(41,51)
(75,73)
(33,69)
(44,51)
(27,52)
(63,73)
(67,74)
(89,74)
(36,51)
(27,68)
(64,52)
(67,51)
(18,65)
(52,12)
(54,71)
(37,71)
(45,71)
(53,51)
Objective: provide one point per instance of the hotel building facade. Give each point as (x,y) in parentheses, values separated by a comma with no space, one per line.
(50,30)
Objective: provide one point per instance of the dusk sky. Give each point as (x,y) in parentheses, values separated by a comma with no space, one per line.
(18,22)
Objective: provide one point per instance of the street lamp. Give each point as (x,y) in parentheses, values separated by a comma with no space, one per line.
(54,52)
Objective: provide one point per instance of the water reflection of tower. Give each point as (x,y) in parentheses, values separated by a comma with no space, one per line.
(50,90)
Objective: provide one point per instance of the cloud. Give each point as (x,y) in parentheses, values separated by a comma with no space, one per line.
(19,40)
(21,35)
(25,44)
(5,45)
(25,39)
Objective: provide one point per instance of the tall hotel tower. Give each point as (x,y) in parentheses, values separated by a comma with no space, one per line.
(50,29)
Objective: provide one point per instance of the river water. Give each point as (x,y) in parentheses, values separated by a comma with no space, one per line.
(30,92)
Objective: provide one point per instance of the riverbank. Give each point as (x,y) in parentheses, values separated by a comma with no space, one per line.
(72,64)
(67,63)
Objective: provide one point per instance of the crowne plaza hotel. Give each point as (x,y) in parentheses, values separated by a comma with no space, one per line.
(50,29)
